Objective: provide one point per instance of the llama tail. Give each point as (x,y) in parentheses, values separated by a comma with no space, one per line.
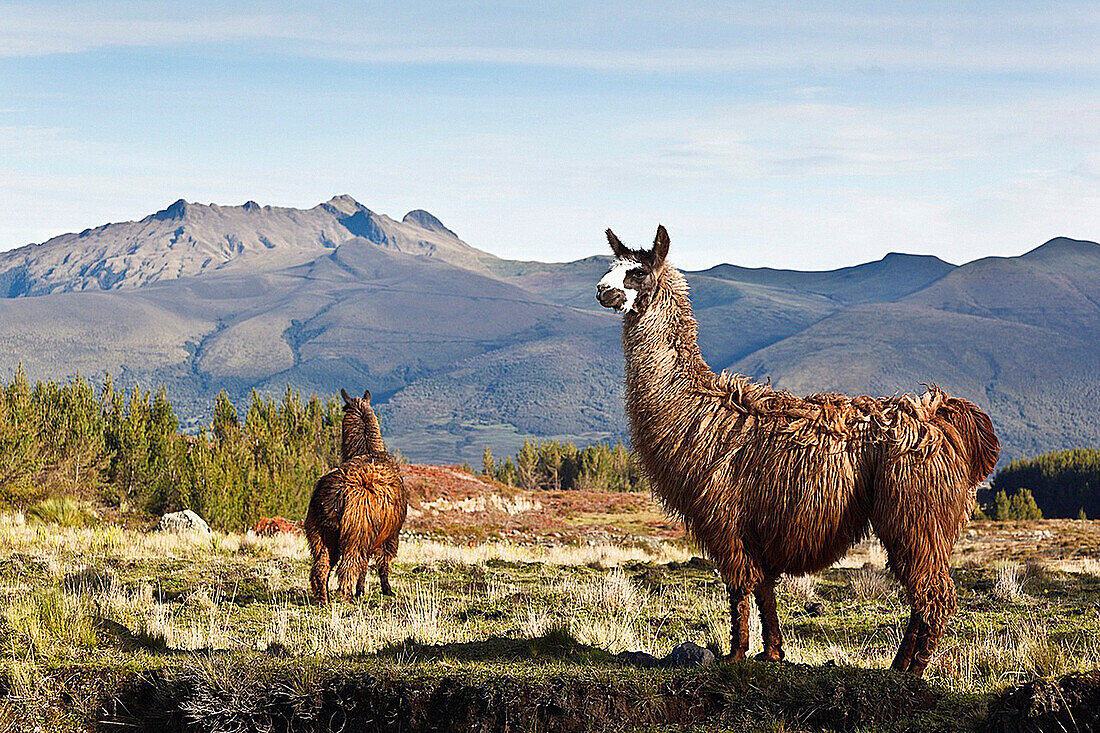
(975,429)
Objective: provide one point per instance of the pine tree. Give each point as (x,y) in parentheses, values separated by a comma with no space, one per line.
(1023,506)
(488,467)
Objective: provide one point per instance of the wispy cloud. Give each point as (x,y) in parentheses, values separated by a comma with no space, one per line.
(801,135)
(39,29)
(681,38)
(826,139)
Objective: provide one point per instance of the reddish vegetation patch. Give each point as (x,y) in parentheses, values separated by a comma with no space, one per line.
(448,501)
(985,541)
(276,525)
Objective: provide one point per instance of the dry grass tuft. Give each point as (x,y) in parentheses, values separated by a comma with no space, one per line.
(871,584)
(1009,583)
(798,588)
(433,552)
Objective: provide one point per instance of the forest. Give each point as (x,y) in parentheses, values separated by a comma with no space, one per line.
(1065,484)
(124,450)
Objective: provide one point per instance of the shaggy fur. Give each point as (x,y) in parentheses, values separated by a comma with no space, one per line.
(770,483)
(356,510)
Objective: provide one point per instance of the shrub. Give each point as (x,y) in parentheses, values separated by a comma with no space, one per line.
(870,584)
(61,510)
(1009,583)
(46,618)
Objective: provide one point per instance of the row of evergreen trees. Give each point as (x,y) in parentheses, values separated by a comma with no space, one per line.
(125,448)
(563,466)
(1064,484)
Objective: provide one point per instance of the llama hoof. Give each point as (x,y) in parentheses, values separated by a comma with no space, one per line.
(770,655)
(737,656)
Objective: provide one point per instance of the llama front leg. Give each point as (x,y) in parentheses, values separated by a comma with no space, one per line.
(929,589)
(739,622)
(908,644)
(769,620)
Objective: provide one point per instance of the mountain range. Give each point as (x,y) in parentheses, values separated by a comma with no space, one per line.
(463,349)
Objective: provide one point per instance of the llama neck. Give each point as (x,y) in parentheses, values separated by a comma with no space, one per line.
(361,435)
(665,372)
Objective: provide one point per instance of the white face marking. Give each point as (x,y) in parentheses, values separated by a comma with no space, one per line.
(616,279)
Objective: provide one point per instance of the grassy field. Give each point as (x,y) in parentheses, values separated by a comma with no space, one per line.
(510,609)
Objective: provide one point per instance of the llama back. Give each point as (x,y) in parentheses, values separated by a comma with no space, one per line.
(376,502)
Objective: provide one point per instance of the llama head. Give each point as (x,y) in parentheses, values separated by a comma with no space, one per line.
(354,405)
(360,432)
(633,275)
(350,401)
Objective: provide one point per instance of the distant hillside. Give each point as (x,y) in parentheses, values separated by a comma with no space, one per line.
(463,349)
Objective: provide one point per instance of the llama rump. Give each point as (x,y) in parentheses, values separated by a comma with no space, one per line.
(769,483)
(356,510)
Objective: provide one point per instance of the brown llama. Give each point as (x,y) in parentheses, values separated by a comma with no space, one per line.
(356,510)
(769,483)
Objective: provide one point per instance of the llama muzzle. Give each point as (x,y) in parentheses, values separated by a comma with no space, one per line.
(610,297)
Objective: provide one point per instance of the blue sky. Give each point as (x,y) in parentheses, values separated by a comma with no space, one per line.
(785,135)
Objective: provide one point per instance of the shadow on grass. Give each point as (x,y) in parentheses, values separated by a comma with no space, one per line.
(557,644)
(550,683)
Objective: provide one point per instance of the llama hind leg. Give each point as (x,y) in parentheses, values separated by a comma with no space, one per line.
(322,567)
(347,572)
(361,583)
(936,607)
(769,620)
(739,622)
(931,594)
(389,552)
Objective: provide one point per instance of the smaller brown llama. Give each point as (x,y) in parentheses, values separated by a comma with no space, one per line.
(356,510)
(769,483)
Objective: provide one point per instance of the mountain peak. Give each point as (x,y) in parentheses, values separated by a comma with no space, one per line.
(425,220)
(176,210)
(345,204)
(1062,246)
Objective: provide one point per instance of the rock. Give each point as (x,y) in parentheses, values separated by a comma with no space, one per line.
(637,659)
(185,521)
(276,525)
(688,655)
(815,608)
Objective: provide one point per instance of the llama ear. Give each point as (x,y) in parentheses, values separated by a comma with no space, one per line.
(620,250)
(660,246)
(347,400)
(366,395)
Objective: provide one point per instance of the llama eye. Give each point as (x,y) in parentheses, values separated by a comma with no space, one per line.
(635,277)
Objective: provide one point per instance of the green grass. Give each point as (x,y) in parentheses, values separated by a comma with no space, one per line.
(224,626)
